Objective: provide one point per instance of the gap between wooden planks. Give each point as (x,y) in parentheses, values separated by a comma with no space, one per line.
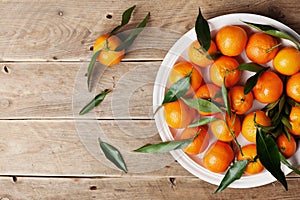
(134,188)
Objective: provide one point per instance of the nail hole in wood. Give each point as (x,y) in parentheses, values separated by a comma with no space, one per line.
(93,187)
(5,69)
(60,13)
(54,58)
(173,181)
(109,16)
(91,48)
(14,179)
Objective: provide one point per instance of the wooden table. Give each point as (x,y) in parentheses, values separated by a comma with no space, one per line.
(45,153)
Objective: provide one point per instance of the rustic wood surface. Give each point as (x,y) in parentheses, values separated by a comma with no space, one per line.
(44,48)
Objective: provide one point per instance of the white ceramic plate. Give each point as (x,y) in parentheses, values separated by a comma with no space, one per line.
(179,51)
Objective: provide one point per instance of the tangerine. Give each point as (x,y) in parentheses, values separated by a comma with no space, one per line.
(208,91)
(261,48)
(231,40)
(286,147)
(287,61)
(294,119)
(107,44)
(240,102)
(225,67)
(183,68)
(199,56)
(248,127)
(218,157)
(249,153)
(293,87)
(200,142)
(268,88)
(178,114)
(226,130)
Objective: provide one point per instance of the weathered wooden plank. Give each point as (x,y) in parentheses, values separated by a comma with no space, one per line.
(134,188)
(70,148)
(65,30)
(59,90)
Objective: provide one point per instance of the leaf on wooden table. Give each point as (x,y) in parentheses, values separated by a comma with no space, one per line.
(91,68)
(273,31)
(164,147)
(113,154)
(202,31)
(125,19)
(269,155)
(202,105)
(235,172)
(95,102)
(130,39)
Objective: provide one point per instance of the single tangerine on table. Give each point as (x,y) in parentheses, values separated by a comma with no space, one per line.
(183,68)
(218,157)
(249,153)
(209,92)
(261,48)
(231,40)
(248,127)
(286,147)
(107,44)
(224,130)
(199,144)
(178,115)
(294,119)
(240,102)
(293,87)
(225,66)
(287,61)
(199,56)
(268,88)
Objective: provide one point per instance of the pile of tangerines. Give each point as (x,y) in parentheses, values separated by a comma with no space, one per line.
(282,78)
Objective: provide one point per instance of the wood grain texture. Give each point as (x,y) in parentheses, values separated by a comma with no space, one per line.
(134,188)
(69,148)
(59,90)
(47,151)
(65,30)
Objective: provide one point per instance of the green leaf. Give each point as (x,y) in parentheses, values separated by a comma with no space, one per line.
(273,31)
(91,68)
(226,98)
(202,122)
(252,67)
(271,106)
(235,172)
(251,81)
(113,154)
(286,122)
(130,39)
(289,165)
(164,147)
(214,56)
(269,155)
(95,102)
(125,19)
(178,89)
(202,31)
(202,105)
